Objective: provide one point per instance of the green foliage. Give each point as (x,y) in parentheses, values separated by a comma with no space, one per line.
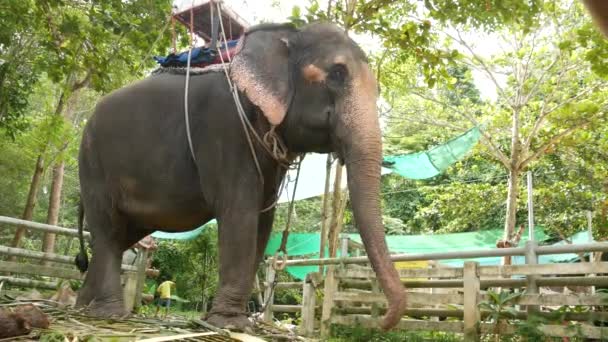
(499,305)
(192,264)
(561,118)
(101,43)
(360,334)
(306,215)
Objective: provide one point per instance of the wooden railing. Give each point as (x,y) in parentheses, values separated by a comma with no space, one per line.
(451,296)
(133,276)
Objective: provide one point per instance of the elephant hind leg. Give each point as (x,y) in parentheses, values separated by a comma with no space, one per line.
(102,291)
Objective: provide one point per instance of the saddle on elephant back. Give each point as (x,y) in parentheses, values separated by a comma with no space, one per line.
(201,56)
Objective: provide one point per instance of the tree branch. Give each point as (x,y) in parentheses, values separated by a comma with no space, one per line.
(480,60)
(84,82)
(544,114)
(484,135)
(555,139)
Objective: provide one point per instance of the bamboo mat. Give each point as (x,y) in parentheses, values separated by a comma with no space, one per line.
(69,325)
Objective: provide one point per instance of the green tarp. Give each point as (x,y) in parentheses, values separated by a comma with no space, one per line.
(189,235)
(306,246)
(428,164)
(302,245)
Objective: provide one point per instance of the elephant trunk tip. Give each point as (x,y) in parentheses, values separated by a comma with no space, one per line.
(396,308)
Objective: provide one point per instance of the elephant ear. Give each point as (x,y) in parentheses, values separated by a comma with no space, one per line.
(260,69)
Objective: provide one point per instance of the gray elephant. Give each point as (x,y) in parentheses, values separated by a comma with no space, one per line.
(312,86)
(599,11)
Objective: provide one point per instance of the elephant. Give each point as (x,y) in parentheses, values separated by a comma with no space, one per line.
(312,86)
(599,12)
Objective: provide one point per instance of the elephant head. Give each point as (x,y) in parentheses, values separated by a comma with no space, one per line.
(315,85)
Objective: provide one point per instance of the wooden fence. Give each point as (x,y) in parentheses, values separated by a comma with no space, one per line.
(451,297)
(133,276)
(352,296)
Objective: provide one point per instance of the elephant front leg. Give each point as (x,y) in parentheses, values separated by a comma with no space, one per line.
(237,248)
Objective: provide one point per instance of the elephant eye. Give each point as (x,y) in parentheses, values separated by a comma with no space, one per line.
(337,74)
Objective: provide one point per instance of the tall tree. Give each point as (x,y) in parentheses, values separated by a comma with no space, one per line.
(96,44)
(546,90)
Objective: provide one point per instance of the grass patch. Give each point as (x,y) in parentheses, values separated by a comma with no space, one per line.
(359,334)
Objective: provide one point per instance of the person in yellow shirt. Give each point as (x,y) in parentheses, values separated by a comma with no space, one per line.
(164,300)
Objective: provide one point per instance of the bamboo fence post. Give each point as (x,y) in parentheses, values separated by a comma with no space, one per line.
(308,306)
(329,290)
(129,290)
(532,286)
(375,309)
(258,290)
(472,315)
(336,213)
(269,292)
(325,214)
(142,263)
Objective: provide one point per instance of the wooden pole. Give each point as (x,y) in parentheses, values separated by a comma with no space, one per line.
(336,216)
(258,290)
(531,286)
(24,253)
(43,227)
(142,263)
(530,208)
(269,292)
(498,252)
(325,215)
(308,307)
(329,290)
(51,285)
(472,315)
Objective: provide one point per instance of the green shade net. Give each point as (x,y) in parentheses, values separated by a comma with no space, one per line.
(306,246)
(302,245)
(428,164)
(189,235)
(454,242)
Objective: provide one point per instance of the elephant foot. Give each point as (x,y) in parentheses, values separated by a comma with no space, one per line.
(114,309)
(233,322)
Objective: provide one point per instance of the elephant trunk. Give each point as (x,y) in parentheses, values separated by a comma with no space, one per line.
(363,158)
(364,188)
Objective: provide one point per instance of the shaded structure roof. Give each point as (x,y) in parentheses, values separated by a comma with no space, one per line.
(202,12)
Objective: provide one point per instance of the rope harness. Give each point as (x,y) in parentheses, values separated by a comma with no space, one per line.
(271,142)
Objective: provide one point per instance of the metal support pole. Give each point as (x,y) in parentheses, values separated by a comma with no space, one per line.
(530,208)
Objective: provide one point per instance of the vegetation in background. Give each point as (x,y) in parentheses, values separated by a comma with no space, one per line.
(58,57)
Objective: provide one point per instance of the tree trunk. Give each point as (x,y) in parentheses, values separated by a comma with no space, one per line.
(48,243)
(52,218)
(514,174)
(28,212)
(336,215)
(512,196)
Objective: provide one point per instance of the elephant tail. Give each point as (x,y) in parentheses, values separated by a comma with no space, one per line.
(82,259)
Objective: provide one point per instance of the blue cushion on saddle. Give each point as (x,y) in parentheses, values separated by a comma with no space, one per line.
(200,56)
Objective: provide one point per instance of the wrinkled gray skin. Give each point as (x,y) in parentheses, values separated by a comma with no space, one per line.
(137,174)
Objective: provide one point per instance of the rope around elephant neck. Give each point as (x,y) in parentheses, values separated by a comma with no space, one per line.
(285,236)
(271,142)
